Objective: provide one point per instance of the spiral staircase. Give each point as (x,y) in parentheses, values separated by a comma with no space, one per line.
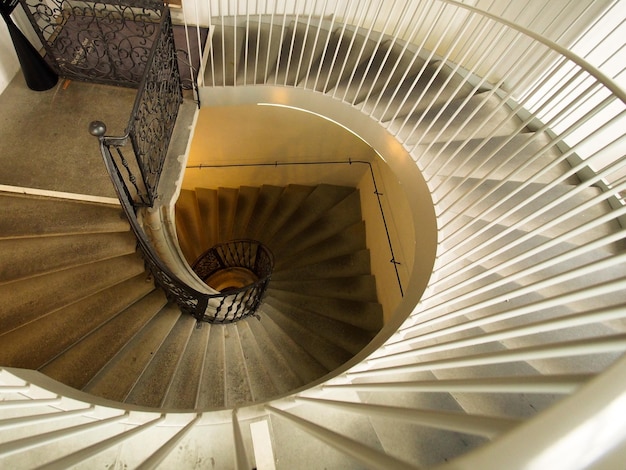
(525,306)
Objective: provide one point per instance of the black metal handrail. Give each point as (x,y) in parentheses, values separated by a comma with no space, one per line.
(226,307)
(187,298)
(136,180)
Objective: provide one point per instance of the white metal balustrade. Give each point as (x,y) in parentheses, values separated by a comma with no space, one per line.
(521,143)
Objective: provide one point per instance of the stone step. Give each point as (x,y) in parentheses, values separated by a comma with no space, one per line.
(325,352)
(327,229)
(224,54)
(492,118)
(246,200)
(347,337)
(208,216)
(80,363)
(423,91)
(263,384)
(267,199)
(300,362)
(315,206)
(212,391)
(352,264)
(298,43)
(357,288)
(365,315)
(22,258)
(52,334)
(292,196)
(227,207)
(152,387)
(258,65)
(28,216)
(237,382)
(510,162)
(348,241)
(188,230)
(28,300)
(282,375)
(117,378)
(184,389)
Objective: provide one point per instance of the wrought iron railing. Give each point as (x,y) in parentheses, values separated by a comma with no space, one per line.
(135,162)
(224,307)
(188,299)
(152,121)
(104,41)
(257,262)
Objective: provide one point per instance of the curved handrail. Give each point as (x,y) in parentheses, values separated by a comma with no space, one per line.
(604,79)
(187,298)
(227,307)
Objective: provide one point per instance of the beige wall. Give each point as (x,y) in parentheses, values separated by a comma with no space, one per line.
(226,135)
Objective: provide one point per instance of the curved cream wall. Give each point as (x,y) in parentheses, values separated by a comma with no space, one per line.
(406,199)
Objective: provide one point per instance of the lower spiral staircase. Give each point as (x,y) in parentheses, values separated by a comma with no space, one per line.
(524,308)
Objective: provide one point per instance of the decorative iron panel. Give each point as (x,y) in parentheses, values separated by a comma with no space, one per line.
(106,41)
(156,108)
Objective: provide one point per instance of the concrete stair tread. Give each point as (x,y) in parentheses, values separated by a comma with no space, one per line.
(387,71)
(262,382)
(28,216)
(152,387)
(326,353)
(335,220)
(427,130)
(300,362)
(28,300)
(281,374)
(120,374)
(237,389)
(184,388)
(291,198)
(357,288)
(22,258)
(266,201)
(224,54)
(365,315)
(79,364)
(318,203)
(512,155)
(489,209)
(258,34)
(212,388)
(417,99)
(348,241)
(344,47)
(208,213)
(348,337)
(227,207)
(297,43)
(50,335)
(356,91)
(187,223)
(352,264)
(245,206)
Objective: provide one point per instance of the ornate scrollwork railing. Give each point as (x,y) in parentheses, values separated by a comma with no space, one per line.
(226,261)
(104,41)
(152,121)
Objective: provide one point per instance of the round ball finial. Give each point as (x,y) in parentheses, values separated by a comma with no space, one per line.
(97,128)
